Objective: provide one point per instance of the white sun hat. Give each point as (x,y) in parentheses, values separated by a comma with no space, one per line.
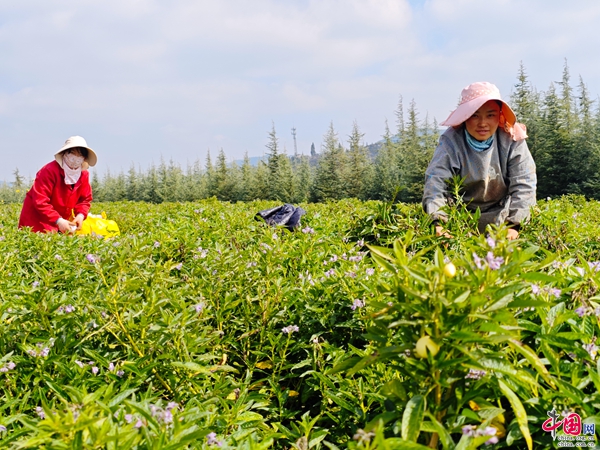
(73,142)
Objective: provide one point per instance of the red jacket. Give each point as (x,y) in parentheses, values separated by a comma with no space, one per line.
(51,198)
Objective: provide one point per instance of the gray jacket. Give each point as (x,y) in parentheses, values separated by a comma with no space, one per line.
(500,181)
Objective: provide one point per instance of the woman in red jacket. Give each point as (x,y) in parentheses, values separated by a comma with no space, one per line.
(60,197)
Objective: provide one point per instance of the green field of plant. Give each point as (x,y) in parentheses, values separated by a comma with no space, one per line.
(200,327)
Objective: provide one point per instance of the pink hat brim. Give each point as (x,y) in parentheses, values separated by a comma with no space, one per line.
(467,109)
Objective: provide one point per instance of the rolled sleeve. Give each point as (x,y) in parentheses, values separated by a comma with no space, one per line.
(522,183)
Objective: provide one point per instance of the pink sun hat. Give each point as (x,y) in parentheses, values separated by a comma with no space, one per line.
(473,97)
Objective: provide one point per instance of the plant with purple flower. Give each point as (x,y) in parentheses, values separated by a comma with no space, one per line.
(8,366)
(92,259)
(494,263)
(211,439)
(475,374)
(358,303)
(290,329)
(40,412)
(478,261)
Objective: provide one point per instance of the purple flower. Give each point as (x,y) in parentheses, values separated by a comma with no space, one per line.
(356,258)
(40,412)
(58,257)
(494,262)
(489,431)
(95,370)
(478,261)
(111,367)
(330,273)
(595,265)
(360,243)
(475,374)
(172,405)
(491,441)
(490,241)
(139,423)
(290,329)
(350,274)
(580,311)
(128,418)
(468,430)
(333,259)
(167,416)
(370,271)
(79,363)
(2,428)
(211,439)
(45,352)
(535,289)
(199,307)
(580,271)
(592,349)
(11,365)
(555,292)
(69,309)
(358,303)
(179,266)
(362,436)
(120,373)
(308,230)
(93,259)
(35,284)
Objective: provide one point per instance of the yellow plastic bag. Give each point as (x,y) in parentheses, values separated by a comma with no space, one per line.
(99,225)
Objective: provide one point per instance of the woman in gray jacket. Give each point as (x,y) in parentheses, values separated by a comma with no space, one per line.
(486,146)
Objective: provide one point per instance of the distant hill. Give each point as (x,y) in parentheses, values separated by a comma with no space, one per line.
(254,160)
(373,149)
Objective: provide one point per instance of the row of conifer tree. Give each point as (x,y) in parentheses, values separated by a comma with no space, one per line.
(563,125)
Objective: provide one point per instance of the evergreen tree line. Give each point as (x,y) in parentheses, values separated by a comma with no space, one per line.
(342,169)
(563,125)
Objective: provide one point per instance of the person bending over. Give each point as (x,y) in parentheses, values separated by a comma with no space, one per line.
(484,145)
(61,195)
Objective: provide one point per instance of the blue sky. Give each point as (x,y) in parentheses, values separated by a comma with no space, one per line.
(143,80)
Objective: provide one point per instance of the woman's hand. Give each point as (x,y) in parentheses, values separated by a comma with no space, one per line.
(64,226)
(512,234)
(78,221)
(439,231)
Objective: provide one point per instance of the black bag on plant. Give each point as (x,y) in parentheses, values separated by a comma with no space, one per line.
(286,215)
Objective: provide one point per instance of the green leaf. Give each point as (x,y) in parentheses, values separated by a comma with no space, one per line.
(402,444)
(519,410)
(444,435)
(412,418)
(539,277)
(533,359)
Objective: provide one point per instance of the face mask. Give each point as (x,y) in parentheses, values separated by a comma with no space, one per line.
(73,161)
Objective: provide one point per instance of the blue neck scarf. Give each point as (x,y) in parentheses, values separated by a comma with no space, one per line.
(476,145)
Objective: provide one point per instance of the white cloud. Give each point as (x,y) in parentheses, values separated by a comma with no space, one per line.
(144,78)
